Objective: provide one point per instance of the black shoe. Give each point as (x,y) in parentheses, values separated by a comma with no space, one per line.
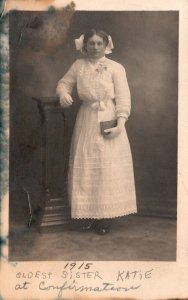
(88,225)
(102,226)
(102,230)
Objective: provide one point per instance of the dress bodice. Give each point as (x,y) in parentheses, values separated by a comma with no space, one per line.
(94,81)
(98,81)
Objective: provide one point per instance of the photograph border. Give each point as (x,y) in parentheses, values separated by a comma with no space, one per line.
(156,286)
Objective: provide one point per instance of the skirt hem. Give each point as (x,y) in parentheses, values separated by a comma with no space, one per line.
(105,216)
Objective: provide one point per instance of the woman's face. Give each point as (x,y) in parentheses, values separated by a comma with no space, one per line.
(95,47)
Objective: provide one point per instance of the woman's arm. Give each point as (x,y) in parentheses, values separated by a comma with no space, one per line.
(122,100)
(122,92)
(65,86)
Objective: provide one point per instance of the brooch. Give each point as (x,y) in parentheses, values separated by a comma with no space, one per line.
(101,68)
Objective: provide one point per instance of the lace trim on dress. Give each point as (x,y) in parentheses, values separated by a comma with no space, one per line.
(92,216)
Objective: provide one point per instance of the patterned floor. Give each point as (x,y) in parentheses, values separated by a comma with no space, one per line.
(132,238)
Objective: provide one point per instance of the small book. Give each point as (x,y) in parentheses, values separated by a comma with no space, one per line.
(107,125)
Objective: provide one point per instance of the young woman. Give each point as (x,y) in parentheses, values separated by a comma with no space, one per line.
(100,179)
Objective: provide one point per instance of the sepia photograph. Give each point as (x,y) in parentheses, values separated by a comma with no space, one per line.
(93,135)
(94,149)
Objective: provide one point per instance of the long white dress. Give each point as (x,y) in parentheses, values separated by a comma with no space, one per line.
(101,179)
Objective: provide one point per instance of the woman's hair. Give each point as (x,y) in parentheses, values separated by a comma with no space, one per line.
(93,32)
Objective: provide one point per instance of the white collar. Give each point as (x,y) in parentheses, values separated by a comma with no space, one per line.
(94,61)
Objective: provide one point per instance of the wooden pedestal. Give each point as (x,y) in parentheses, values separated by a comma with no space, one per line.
(54,211)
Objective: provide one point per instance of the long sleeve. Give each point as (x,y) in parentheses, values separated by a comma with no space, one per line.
(122,92)
(66,83)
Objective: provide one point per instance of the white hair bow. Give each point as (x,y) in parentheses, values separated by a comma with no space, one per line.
(80,44)
(110,46)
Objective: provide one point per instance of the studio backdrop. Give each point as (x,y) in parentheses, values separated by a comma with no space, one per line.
(146,44)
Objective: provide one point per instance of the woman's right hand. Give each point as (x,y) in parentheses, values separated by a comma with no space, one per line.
(66,100)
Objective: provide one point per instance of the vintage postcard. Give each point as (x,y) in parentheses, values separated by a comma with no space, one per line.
(94,140)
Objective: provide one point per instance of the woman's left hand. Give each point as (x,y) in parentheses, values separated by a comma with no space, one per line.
(113,132)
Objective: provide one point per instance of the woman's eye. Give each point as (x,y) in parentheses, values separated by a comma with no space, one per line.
(93,44)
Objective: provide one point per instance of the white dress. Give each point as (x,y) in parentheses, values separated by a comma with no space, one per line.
(101,179)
